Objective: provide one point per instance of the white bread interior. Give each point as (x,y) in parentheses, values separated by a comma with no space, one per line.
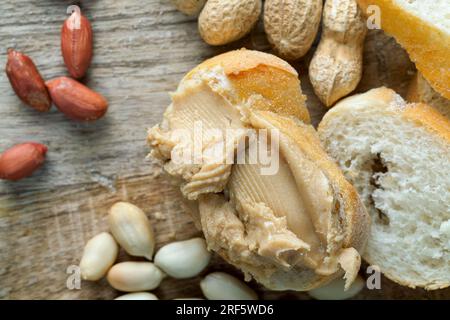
(398,158)
(422,27)
(435,12)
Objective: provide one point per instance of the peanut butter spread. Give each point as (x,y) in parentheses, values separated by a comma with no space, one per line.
(280,228)
(197,107)
(248,186)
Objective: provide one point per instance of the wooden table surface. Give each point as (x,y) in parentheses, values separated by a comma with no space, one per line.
(142,49)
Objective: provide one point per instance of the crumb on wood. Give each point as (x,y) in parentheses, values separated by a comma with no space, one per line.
(159,216)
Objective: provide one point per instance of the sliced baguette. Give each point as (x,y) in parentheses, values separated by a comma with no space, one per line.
(423,29)
(397,155)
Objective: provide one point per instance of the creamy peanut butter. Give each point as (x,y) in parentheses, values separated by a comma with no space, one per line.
(197,106)
(281,195)
(279,226)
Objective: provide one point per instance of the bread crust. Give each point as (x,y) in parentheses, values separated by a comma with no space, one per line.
(387,101)
(427,46)
(254,72)
(420,91)
(414,90)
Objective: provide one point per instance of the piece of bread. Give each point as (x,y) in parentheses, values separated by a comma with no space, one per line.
(422,27)
(421,91)
(258,73)
(233,78)
(397,155)
(297,227)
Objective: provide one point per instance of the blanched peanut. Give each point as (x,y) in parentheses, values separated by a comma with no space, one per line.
(99,255)
(135,276)
(183,259)
(138,296)
(222,286)
(132,229)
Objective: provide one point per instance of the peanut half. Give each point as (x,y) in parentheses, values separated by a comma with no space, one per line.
(222,286)
(26,81)
(135,276)
(336,67)
(99,255)
(132,229)
(183,259)
(291,25)
(225,21)
(21,160)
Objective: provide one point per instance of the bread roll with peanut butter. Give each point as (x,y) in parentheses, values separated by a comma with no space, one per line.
(296,227)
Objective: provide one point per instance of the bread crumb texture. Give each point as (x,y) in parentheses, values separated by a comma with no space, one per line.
(398,158)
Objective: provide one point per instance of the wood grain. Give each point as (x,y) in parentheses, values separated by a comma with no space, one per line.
(142,49)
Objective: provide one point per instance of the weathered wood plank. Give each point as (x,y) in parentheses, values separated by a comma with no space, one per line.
(142,49)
